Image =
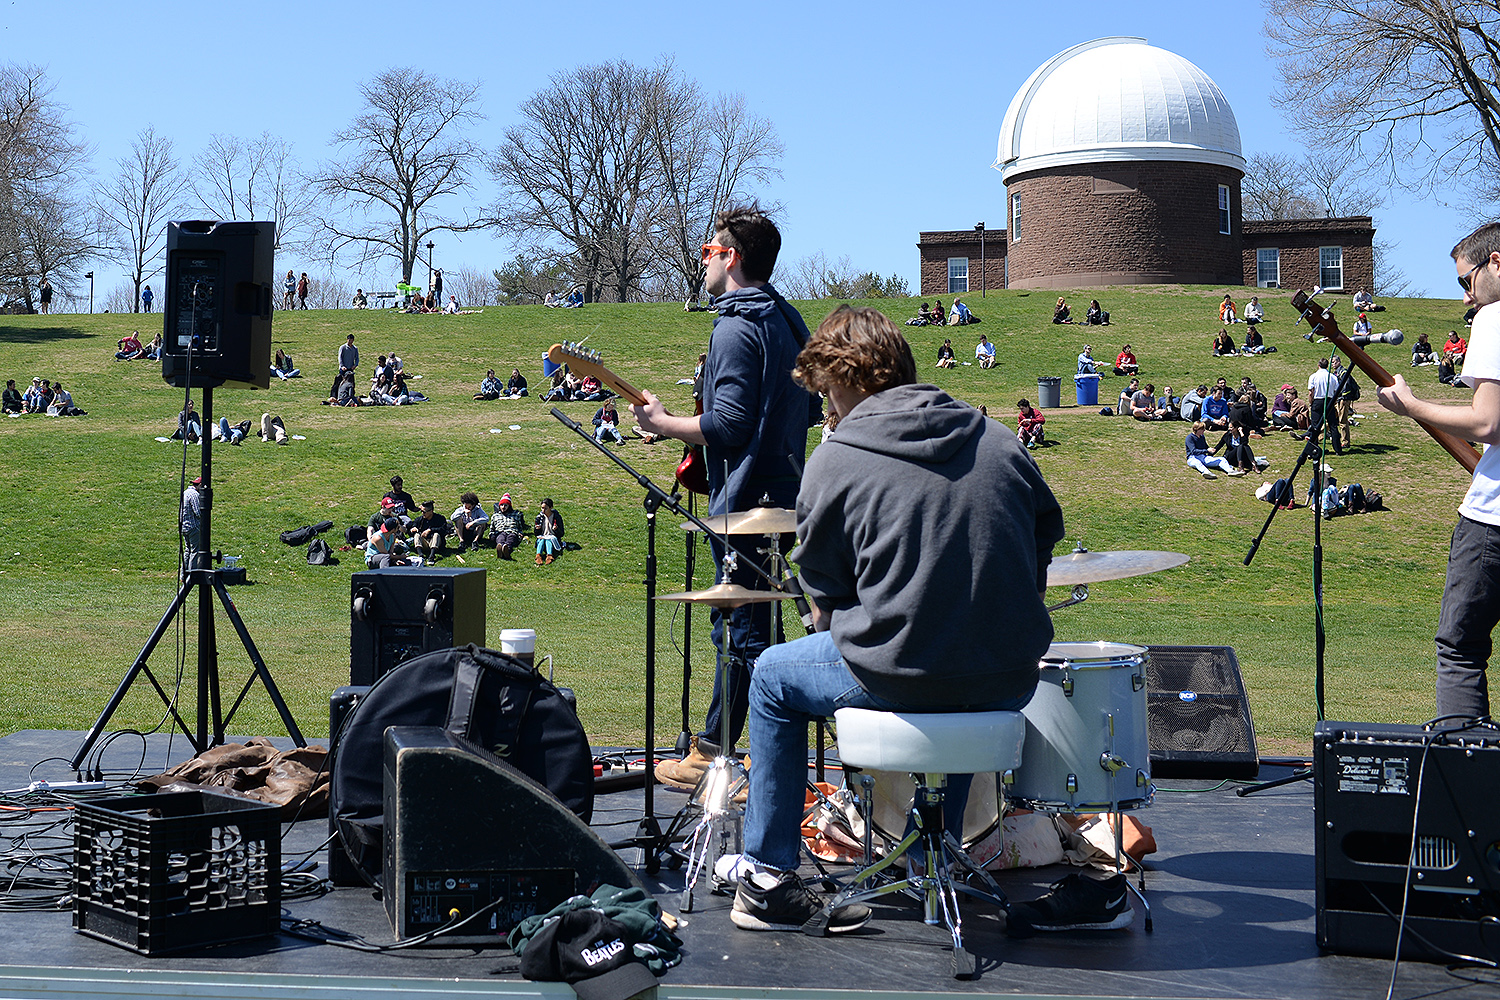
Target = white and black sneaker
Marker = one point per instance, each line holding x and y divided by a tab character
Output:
764	902
1075	903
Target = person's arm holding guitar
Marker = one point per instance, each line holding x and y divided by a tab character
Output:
654	418
1478	420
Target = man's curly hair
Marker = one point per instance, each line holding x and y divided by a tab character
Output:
856	347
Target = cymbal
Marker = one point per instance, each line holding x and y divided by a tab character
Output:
1094	567
760	521
726	595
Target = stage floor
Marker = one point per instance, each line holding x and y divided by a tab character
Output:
1231	891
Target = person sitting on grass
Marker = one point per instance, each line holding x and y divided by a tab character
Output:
1235	444
1421	352
490	388
429	531
1096	315
1227	314
509	527
1143	404
1254	343
549	533
1029	421
129	347
384	548
591	390
62	403
516	387
984	352
1198	455
1060	312
1086	363
361	300
1125	363
923	317
10	401
607	424
945	353
189	424
1224	344
1254	312
470	523
961	315
1122	407
1455	348
1215	413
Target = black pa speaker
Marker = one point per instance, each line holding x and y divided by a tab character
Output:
1366	778
1197	715
216	306
402	612
464	830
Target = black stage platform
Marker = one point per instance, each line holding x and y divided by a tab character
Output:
1231	889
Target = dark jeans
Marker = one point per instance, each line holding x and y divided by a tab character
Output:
1471	609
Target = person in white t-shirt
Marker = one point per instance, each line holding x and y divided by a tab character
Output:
1471	595
984	352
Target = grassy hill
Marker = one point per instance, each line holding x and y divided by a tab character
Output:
90	506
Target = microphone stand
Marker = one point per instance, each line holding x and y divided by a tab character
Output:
1312	449
649	836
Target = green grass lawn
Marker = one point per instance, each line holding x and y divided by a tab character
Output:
89	516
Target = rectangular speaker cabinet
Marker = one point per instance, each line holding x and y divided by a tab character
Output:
402	612
1197	714
1365	793
464	830
216	303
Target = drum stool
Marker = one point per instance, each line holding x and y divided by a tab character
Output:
931	746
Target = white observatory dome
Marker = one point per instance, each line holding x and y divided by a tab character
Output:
1117	99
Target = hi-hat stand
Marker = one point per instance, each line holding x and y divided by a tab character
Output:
198	575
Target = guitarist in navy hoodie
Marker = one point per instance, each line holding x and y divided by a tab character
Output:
755	419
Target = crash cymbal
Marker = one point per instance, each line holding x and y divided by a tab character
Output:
1094	567
760	521
726	595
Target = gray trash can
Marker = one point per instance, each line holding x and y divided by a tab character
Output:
1049	392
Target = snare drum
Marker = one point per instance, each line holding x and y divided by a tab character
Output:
1086	746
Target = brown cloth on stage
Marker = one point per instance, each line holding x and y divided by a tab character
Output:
296	779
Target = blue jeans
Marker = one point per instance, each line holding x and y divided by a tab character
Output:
1471	609
793	685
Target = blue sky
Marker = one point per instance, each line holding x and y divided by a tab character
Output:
889	111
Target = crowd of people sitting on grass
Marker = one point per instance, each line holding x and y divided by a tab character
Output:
45	396
492	388
568	387
960	315
402	532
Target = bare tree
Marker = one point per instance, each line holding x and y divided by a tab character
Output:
1334	183
1275	188
472	286
708	154
1400	80
46	227
237	178
327	292
146	191
405	153
524	280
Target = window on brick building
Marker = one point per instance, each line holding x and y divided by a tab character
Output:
958	275
1268	267
1331	267
1015	218
1224	208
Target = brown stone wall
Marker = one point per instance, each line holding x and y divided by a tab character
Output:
1300	240
1124	224
936	247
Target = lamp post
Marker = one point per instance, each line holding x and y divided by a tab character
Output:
90	275
983	283
430	245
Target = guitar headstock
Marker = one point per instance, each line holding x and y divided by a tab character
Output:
588	361
1319	320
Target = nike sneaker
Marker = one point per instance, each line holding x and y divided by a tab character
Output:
764	902
1076	903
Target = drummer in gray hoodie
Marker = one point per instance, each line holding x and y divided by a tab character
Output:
926	532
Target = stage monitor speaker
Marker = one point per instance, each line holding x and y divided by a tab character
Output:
1365	778
1197	715
464	829
341	705
402	612
216	306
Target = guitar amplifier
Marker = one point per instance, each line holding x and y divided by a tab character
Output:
1370	781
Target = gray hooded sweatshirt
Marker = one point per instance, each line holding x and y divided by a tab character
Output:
926	531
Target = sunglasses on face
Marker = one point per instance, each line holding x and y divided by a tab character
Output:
1466	281
712	250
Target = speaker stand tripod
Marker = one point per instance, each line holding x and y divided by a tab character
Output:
198	575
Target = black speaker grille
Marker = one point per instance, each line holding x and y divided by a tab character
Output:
1198	718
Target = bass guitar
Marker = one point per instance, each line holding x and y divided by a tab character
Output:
692	471
1322	324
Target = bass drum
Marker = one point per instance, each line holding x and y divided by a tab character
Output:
1086	748
890	803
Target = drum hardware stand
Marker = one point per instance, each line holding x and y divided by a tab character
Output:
200	575
1113	764
1313	448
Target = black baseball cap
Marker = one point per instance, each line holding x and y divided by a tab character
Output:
589	950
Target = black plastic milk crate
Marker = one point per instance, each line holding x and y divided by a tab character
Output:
167	872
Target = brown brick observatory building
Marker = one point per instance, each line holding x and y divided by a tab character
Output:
1122	165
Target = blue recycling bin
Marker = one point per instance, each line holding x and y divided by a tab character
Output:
1086	387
